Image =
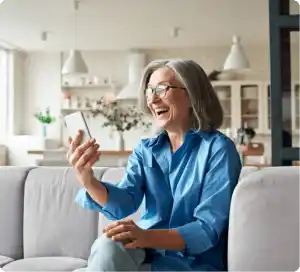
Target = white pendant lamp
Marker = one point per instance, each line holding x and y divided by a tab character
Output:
75	63
236	60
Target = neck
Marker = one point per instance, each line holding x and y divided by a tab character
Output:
176	138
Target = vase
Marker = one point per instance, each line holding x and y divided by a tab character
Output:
44	127
120	141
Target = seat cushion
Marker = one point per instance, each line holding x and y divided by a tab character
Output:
5	260
46	264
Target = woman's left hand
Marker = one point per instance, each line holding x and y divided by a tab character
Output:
128	232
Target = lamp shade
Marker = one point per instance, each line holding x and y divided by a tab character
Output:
75	64
236	60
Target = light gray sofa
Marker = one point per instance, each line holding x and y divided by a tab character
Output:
43	229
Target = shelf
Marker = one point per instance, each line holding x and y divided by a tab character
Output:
94	87
66	111
103	152
250	115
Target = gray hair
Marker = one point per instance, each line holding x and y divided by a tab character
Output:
207	112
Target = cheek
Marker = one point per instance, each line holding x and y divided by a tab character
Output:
180	106
149	107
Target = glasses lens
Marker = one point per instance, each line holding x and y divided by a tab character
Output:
161	90
148	92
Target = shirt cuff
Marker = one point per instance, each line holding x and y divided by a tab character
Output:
196	240
112	209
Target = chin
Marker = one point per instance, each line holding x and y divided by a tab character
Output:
163	125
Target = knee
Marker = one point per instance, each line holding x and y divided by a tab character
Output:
104	254
105	245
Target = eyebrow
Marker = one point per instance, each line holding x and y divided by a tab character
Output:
161	83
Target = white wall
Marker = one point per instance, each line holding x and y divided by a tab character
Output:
42	85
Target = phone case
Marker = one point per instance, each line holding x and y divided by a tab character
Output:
75	122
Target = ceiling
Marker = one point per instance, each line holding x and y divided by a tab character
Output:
124	24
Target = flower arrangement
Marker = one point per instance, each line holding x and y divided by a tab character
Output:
119	118
45	119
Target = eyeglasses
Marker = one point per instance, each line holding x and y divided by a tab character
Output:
160	90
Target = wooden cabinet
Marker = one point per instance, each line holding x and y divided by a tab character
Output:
242	104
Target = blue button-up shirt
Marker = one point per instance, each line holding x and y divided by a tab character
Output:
189	190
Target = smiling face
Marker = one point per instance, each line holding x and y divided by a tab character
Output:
171	111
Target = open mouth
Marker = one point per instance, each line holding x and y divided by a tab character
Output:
161	112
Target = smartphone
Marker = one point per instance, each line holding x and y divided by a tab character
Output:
75	122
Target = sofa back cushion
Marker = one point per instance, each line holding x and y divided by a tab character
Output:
114	175
264	221
247	170
54	225
12	180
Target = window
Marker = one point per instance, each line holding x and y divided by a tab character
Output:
3	95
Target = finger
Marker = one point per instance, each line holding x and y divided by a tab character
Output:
93	160
115	224
80	150
70	139
117	230
78	137
84	157
123	236
133	244
75	143
120	229
83	147
111	226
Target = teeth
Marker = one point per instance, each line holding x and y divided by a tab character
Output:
158	111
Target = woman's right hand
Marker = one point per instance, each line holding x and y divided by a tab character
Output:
82	157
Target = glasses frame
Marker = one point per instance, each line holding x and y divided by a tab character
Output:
164	93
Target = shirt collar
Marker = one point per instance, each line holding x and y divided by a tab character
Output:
163	136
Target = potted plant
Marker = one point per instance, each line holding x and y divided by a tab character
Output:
120	118
45	119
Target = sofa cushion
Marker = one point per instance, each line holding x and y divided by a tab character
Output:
54	225
246	170
264	222
46	264
114	175
5	260
12	180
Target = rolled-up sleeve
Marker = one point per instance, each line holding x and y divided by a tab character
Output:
212	213
125	197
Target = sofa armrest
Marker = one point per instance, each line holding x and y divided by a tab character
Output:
5	260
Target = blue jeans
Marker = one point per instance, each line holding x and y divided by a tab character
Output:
107	255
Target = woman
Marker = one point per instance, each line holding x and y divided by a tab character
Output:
187	175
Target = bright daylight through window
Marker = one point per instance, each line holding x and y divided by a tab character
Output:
3	95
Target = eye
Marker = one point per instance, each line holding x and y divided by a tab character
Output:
148	91
160	89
